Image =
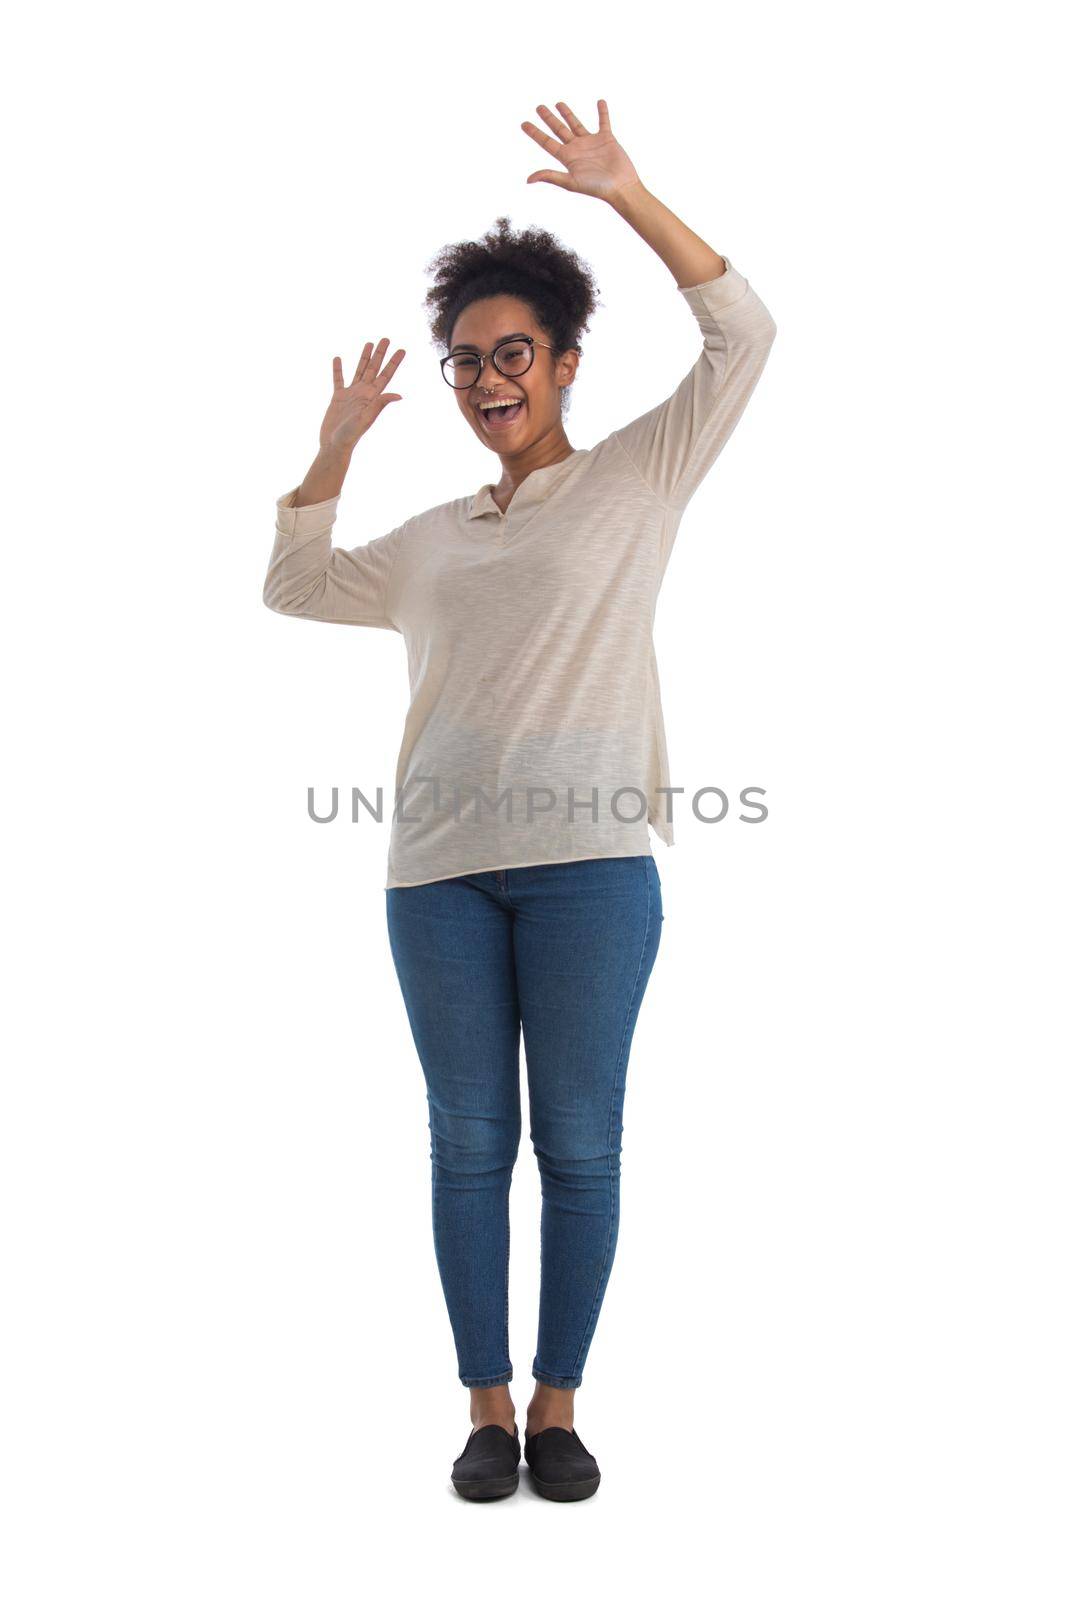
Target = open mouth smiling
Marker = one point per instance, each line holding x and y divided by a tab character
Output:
496	416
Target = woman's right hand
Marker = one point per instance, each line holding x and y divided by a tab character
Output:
354	407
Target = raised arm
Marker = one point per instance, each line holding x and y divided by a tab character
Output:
672	445
306	576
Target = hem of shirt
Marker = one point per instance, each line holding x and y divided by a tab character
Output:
663	830
505	866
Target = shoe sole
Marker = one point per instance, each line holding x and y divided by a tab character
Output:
486	1488
581	1490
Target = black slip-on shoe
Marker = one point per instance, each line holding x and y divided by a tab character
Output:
560	1465
489	1465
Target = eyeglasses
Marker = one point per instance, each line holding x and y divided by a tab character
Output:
511	358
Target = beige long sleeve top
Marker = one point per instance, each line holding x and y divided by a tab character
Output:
535	730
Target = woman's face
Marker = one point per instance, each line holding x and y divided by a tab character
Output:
478	329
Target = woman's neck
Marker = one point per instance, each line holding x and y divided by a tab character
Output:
545	453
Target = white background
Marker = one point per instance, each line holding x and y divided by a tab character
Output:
830	1359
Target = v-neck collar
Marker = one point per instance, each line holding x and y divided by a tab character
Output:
533	489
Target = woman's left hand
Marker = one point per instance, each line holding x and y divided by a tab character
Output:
596	163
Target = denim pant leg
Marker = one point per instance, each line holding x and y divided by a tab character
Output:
452	947
586	937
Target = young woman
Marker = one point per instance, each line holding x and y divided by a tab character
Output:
522	894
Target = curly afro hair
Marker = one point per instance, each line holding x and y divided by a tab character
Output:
554	282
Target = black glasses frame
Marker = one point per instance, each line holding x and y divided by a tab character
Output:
519	338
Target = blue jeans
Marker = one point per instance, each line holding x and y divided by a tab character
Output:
564	950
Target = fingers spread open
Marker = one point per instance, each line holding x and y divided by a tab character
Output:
559	128
576	125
